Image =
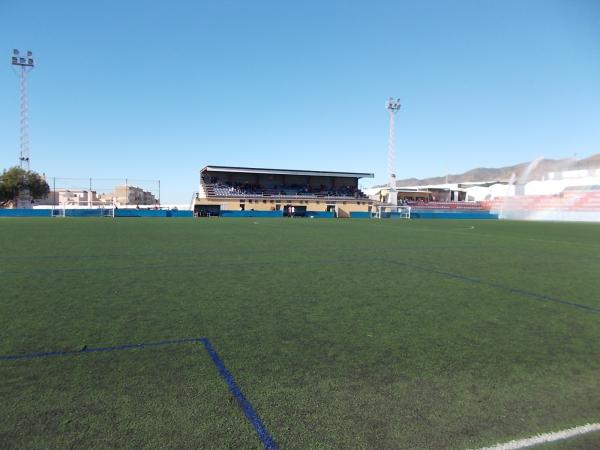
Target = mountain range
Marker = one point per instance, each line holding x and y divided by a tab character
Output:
542	167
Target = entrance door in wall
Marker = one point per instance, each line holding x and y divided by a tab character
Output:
207	210
299	211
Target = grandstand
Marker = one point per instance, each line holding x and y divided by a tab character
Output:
248	192
447	205
569	195
572	204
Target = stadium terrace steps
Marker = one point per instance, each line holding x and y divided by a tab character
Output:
589	202
449	205
214	190
569	201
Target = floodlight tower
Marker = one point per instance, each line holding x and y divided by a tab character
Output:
26	64
393	106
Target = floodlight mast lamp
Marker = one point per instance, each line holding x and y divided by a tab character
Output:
26	65
393	106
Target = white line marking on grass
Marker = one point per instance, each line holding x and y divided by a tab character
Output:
546	437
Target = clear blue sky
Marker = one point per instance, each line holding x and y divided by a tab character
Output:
159	89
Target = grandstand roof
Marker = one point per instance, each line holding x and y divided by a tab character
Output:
315	173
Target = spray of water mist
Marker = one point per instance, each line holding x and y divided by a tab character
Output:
560	195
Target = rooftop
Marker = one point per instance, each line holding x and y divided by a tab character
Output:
314	173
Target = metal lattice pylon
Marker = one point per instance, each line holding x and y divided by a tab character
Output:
393	106
24	155
24	65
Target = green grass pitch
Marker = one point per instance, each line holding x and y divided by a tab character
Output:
341	333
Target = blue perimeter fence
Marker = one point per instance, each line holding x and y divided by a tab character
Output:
250	213
125	212
96	213
452	214
249	411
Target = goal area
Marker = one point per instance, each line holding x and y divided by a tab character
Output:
393	212
98	210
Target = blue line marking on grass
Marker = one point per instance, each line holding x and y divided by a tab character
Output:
251	415
246	406
530	294
97	349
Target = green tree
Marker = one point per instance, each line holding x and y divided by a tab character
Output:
15	180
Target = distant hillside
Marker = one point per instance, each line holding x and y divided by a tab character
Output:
505	173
